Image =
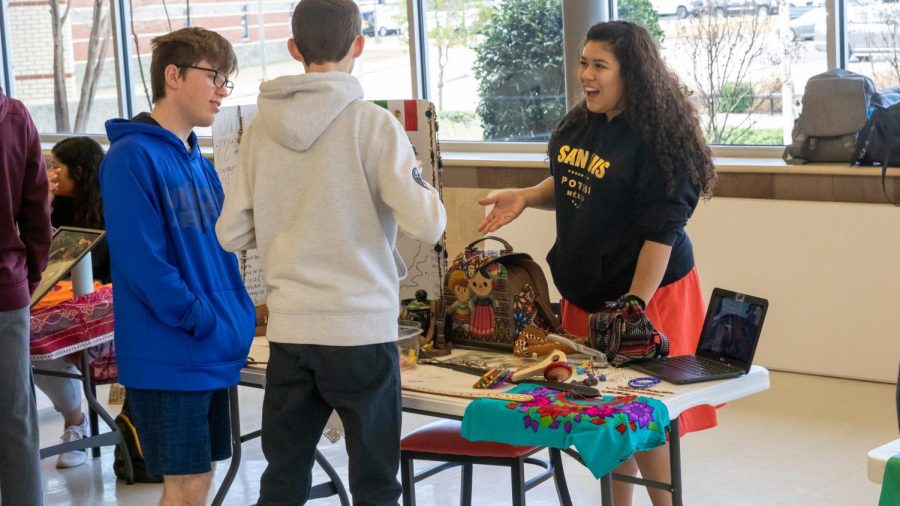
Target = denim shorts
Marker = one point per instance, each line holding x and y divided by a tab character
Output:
181	432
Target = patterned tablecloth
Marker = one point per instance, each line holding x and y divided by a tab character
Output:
606	430
82	323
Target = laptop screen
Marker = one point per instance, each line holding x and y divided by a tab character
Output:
732	327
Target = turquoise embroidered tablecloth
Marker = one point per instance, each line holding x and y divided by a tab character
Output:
890	485
606	431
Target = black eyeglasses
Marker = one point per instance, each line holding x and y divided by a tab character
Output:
219	78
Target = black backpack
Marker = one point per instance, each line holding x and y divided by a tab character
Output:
878	139
138	466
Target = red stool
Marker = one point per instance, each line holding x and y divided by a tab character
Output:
441	441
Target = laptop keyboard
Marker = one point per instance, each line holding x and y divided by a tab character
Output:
698	365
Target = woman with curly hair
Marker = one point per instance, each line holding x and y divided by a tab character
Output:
628	165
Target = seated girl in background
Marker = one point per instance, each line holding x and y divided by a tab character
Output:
74	176
76	199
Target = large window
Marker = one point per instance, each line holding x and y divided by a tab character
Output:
494	68
873	41
746	62
259	31
62	63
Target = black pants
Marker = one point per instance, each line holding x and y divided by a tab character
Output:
304	383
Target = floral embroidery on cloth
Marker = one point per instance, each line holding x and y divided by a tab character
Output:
605	431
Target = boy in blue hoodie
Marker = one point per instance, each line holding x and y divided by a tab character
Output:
184	321
324	180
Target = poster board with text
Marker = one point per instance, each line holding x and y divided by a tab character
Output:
426	263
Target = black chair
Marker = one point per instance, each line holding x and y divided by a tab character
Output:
441	441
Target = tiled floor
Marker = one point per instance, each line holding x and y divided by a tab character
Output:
803	442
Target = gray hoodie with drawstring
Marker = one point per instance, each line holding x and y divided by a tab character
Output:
324	179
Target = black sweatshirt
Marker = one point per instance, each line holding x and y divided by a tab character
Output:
611	196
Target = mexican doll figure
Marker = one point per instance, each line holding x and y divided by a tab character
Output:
461	310
481	285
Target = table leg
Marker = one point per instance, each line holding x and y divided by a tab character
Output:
562	488
95	409
235	463
336	482
606	490
675	462
93	420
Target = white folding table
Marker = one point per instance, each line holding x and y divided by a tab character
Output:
677	399
681	398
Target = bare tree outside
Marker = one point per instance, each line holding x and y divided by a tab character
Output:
60	99
882	38
725	52
98	47
453	23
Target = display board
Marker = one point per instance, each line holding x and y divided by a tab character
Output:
426	262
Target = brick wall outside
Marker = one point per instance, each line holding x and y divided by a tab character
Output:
32	52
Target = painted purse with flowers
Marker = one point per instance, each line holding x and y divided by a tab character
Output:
490	296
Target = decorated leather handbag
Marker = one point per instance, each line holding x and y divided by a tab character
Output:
491	295
623	332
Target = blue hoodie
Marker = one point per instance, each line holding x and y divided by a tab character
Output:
183	318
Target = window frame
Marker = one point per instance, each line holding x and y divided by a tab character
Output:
6	74
837	56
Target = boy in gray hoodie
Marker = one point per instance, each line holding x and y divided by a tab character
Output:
324	179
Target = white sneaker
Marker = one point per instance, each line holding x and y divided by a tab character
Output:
77	457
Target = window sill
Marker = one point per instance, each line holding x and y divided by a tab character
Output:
739	177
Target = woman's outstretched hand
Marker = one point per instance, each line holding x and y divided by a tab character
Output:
508	206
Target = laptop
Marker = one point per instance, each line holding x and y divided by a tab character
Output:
727	342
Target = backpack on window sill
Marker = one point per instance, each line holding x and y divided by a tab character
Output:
878	140
835	109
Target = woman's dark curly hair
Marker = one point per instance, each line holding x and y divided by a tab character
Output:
656	105
82	156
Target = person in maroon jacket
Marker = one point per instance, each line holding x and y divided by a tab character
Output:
24	245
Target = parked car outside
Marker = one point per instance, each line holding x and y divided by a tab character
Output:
804	27
736	7
381	20
873	30
797	8
677	8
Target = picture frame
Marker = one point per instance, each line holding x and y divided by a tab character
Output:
67	247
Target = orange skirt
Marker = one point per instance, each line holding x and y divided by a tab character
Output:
676	310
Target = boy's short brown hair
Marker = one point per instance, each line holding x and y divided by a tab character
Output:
188	46
323	30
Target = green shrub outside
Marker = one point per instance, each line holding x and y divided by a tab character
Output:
642	13
519	67
752	136
736	97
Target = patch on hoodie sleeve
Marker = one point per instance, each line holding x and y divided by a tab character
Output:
417	176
